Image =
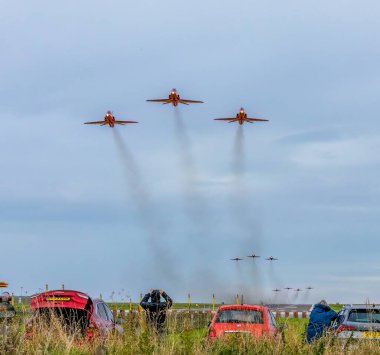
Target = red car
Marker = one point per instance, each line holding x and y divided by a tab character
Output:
251	319
76	310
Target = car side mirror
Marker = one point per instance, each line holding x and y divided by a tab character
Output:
120	321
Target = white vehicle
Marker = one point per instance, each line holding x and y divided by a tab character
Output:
358	321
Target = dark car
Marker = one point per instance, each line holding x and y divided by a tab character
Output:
358	321
75	310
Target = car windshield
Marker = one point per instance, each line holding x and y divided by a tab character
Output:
239	316
364	316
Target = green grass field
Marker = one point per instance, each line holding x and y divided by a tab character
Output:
186	334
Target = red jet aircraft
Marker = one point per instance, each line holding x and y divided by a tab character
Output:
109	119
241	117
175	99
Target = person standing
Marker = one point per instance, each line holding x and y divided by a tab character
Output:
321	318
155	308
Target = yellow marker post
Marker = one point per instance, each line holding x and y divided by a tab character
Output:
237	299
130	304
140	308
188	301
13	299
213	302
46	288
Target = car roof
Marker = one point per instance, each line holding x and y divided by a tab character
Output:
98	300
362	306
242	306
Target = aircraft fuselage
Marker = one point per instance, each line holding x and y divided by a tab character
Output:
174	98
241	116
109	119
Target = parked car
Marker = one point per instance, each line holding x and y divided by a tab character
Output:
75	310
358	321
256	320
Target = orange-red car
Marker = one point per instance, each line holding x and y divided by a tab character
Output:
256	320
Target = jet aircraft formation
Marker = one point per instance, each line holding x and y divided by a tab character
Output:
174	98
290	288
254	256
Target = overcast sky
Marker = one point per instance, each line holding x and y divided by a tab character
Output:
167	202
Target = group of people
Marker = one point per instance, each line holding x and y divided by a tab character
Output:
321	316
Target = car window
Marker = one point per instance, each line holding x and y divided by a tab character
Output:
272	320
108	311
239	316
364	316
101	311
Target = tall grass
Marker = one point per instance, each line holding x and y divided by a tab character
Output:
184	335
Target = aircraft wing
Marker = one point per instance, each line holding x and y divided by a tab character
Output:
96	122
124	122
192	101
256	120
159	100
226	119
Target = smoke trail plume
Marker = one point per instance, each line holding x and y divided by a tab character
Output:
160	260
305	296
243	213
198	211
196	208
238	164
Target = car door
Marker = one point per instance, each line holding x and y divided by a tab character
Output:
110	317
272	323
102	319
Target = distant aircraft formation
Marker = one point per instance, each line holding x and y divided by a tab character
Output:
290	288
270	259
174	98
253	256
